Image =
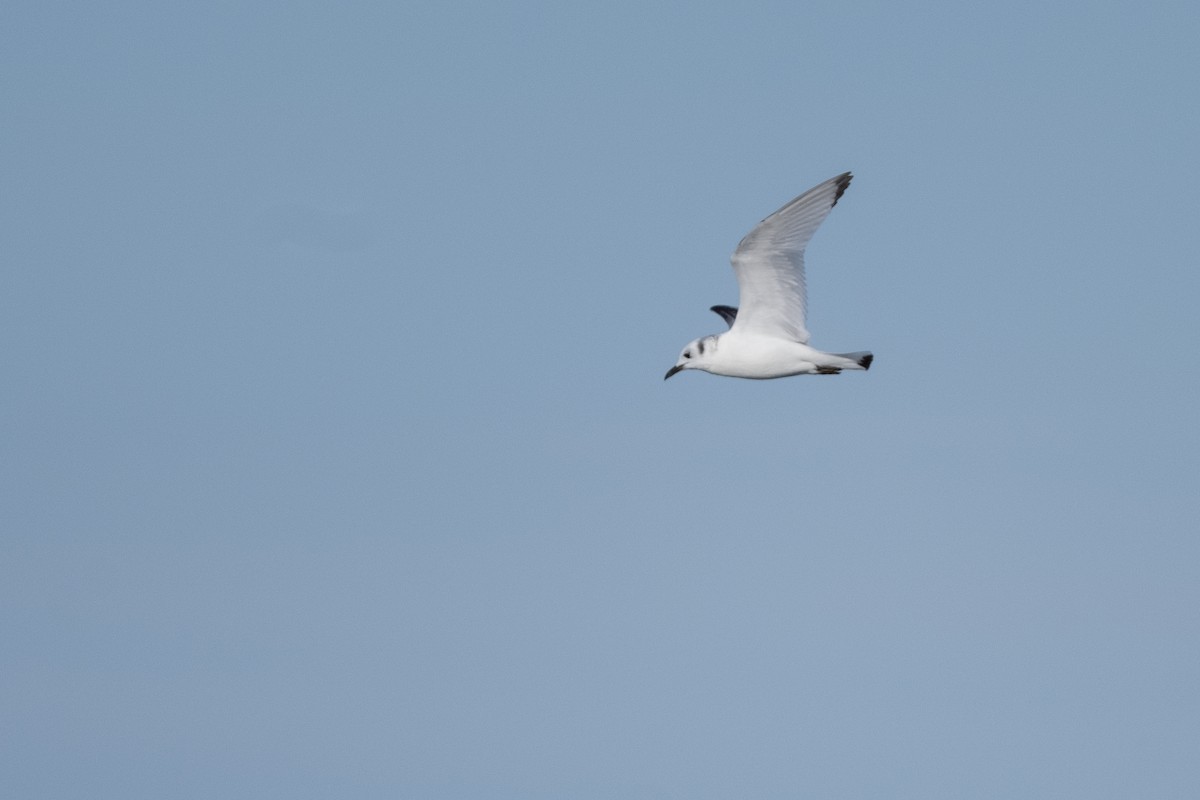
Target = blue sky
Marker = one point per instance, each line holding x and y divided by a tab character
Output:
338	459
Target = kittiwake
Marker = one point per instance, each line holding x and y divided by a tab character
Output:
767	337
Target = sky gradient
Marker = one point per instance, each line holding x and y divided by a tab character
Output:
338	460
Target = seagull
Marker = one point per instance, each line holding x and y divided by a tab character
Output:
767	337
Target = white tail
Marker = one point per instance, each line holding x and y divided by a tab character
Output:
863	358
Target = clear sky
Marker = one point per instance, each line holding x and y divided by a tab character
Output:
337	459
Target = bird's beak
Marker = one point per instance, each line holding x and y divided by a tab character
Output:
673	370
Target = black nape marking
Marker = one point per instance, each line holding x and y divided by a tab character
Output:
700	346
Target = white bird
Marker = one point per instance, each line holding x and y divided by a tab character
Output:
767	337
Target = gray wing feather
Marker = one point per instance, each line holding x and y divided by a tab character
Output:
769	264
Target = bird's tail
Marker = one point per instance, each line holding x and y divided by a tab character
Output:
863	358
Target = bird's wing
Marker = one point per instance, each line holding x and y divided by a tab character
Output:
769	264
728	313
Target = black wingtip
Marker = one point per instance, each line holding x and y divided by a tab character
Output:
865	361
728	313
843	182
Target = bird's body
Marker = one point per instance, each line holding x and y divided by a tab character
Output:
762	357
767	337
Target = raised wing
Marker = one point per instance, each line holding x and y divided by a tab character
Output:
728	313
769	264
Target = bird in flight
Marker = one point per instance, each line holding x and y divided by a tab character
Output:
766	336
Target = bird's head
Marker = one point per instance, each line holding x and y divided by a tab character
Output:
695	355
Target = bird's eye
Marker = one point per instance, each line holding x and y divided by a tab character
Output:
687	355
